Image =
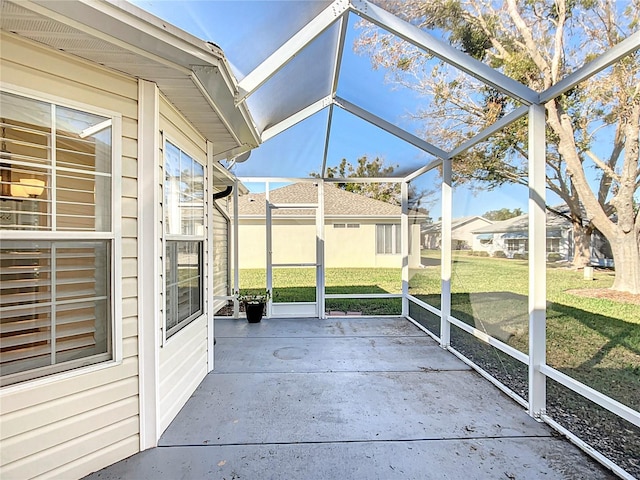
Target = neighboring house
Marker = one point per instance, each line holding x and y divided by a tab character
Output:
109	120
461	232
512	237
359	231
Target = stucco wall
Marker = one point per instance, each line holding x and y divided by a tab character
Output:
294	242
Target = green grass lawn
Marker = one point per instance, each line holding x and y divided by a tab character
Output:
596	341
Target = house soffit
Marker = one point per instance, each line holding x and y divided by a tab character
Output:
98	32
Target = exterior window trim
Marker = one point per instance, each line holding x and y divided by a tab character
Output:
114	357
169	334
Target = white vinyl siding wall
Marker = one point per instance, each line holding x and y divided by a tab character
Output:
220	255
73	423
183	356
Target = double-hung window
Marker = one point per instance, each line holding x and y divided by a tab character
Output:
57	238
388	239
184	230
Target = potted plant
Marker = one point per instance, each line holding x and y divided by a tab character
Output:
253	304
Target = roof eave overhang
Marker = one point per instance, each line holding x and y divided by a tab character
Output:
133	29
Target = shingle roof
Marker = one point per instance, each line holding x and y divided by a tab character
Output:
435	227
338	202
521	224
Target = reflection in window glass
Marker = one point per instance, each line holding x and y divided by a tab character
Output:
184	228
56	294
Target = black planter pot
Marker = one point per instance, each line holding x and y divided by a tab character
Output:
254	311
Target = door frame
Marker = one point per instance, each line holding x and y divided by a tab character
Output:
297	309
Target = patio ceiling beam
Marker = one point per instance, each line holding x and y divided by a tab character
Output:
443	51
611	56
389	127
505	121
429	166
297	117
363	179
339	53
283	55
327	139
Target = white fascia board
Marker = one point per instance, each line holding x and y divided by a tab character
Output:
487	132
443	51
390	128
296	118
235	118
611	56
132	29
291	48
133	26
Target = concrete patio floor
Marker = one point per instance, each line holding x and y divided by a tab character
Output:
349	398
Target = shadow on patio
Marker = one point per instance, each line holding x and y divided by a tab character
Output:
348	398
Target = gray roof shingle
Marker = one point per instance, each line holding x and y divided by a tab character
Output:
338	202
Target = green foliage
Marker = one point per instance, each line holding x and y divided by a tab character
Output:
520	256
385	192
553	257
499	254
502	214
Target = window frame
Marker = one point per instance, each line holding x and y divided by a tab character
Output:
169	333
396	239
114	355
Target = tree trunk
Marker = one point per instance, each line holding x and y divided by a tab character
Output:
626	256
581	244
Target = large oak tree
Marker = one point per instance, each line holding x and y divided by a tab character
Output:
592	130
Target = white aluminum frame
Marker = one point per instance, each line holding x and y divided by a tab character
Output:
533	106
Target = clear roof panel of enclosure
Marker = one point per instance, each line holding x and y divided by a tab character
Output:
312	72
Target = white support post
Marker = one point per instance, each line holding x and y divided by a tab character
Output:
148	261
236	254
320	269
269	243
404	236
445	257
537	261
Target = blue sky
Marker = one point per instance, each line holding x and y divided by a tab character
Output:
299	150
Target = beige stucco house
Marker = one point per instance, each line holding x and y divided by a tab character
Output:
462	229
359	232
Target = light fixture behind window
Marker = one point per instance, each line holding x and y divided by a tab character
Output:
26	188
5	168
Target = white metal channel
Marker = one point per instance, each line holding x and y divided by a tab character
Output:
290	49
537	261
446	256
608	58
404	236
389	127
444	51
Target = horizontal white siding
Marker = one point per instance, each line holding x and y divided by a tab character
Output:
220	256
72	424
183	357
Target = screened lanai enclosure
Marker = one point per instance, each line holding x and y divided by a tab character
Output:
360	200
394	160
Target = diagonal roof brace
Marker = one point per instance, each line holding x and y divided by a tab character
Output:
443	51
390	128
290	49
297	117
